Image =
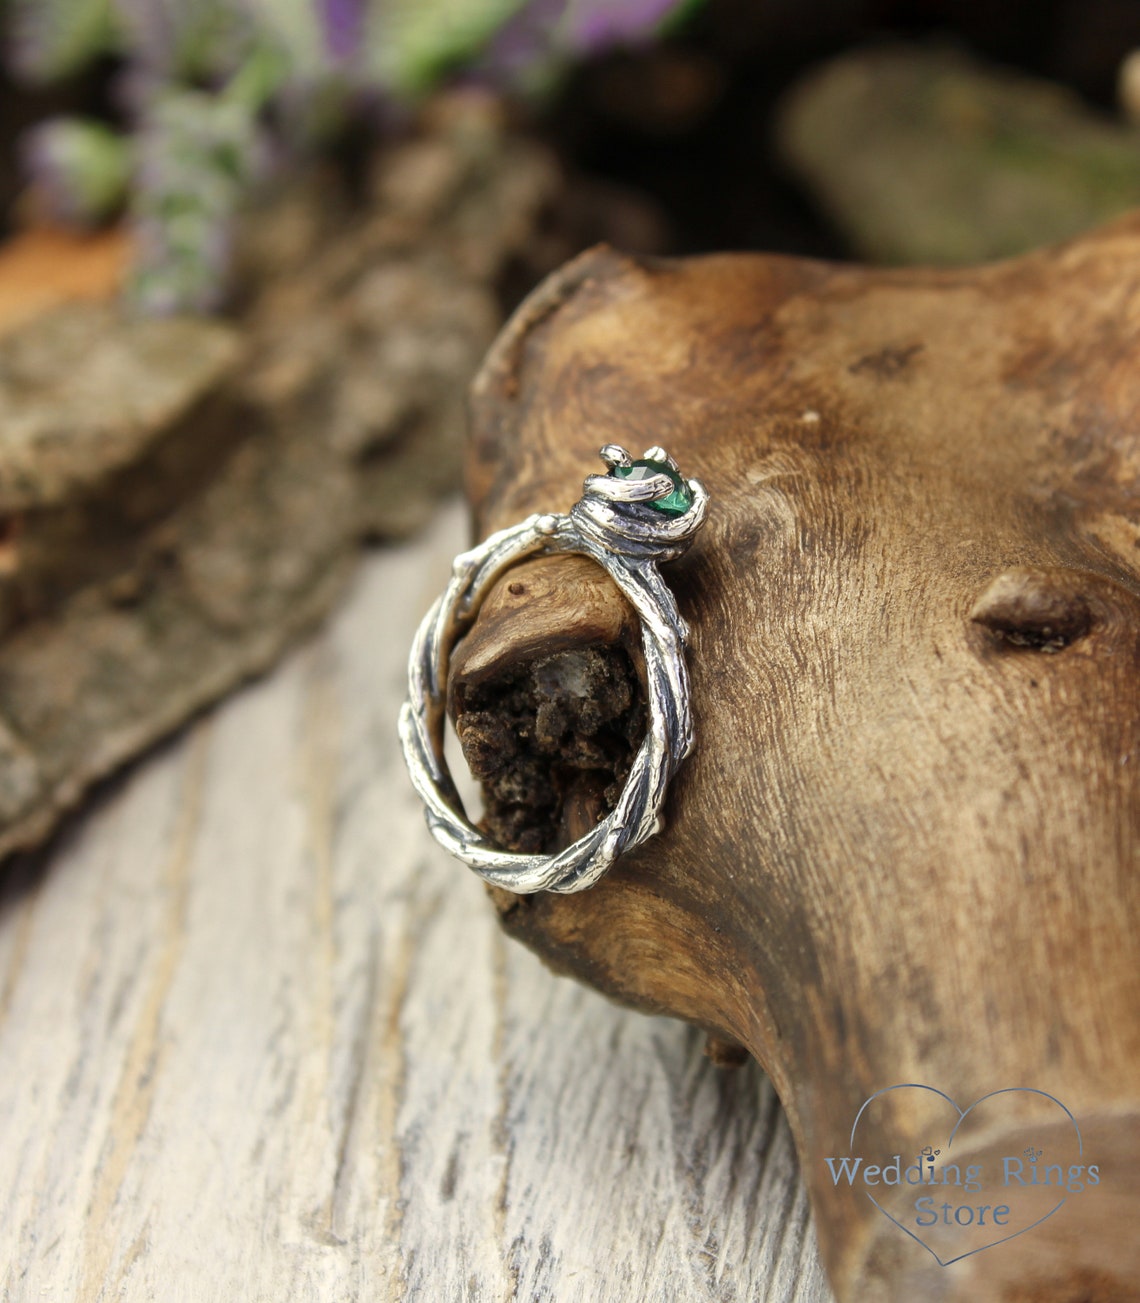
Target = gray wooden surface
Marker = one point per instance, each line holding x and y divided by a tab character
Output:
261	1040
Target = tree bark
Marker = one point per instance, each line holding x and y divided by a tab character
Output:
180	498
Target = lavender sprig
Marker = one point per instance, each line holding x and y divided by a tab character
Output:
198	155
187	40
595	25
198	75
416	42
49	39
343	23
541	40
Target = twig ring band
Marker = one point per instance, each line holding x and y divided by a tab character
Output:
639	514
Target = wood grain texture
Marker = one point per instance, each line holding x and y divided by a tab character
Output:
907	845
262	1040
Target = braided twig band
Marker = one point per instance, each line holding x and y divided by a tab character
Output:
625	535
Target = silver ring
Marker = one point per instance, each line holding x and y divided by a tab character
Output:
629	520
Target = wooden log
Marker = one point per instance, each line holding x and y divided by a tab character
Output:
906	847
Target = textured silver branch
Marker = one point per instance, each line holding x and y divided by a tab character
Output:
616	525
613	454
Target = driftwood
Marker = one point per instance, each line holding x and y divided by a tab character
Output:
906	848
180	498
922	154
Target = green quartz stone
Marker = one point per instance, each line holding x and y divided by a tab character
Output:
675	503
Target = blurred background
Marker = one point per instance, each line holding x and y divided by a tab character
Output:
698	124
253	251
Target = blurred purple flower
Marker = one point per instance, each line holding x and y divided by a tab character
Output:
597	24
186	37
342	22
44	40
542	37
524	44
187	274
198	155
151	29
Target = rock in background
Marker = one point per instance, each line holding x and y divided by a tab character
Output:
923	154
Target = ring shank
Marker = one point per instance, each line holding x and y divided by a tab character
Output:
668	739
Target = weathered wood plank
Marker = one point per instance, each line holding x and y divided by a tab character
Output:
262	1040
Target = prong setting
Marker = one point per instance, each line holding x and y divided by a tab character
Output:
657	453
613	454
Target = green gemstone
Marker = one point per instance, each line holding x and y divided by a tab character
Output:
673	504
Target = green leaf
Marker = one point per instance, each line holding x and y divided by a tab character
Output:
49	39
412	43
80	168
